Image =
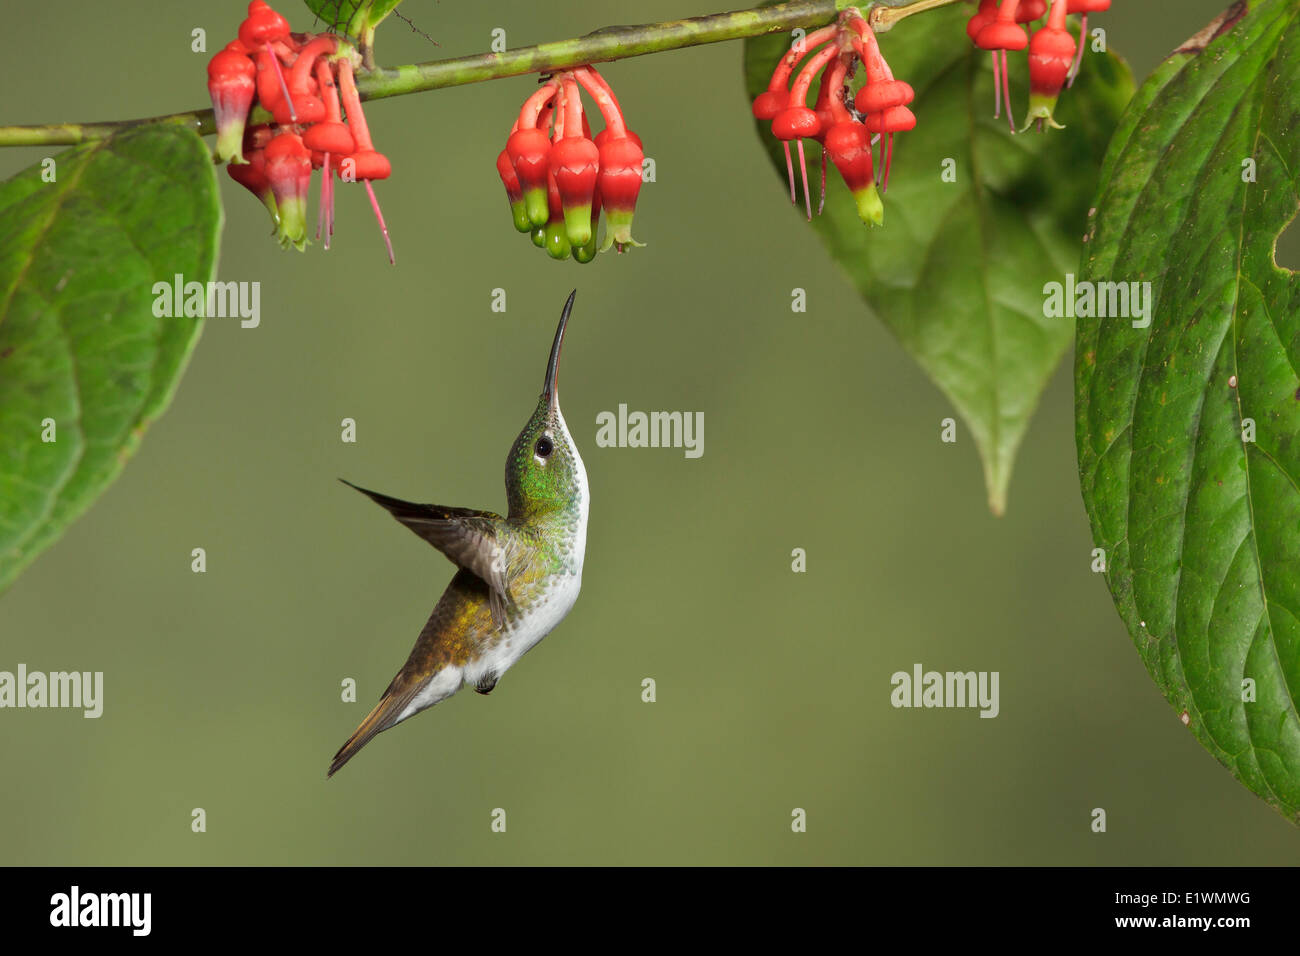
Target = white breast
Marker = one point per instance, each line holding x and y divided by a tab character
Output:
550	607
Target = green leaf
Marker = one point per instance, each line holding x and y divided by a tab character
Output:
79	342
1202	529
354	18
956	270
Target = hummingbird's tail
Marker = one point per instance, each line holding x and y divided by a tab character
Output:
373	724
404	698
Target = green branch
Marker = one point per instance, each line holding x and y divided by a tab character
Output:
602	46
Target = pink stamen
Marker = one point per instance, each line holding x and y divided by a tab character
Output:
889	158
789	168
997	87
374	204
1006	90
822	203
326	201
333	186
803	168
320	207
1078	54
284	87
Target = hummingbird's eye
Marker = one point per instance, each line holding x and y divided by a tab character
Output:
544	447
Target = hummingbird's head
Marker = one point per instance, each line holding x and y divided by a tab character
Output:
544	472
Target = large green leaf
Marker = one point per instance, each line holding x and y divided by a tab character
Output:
956	270
79	342
1201	528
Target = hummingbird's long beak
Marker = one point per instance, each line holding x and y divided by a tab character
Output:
551	390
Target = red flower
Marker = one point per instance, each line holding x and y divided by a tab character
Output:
333	140
558	187
1051	52
231	85
528	148
574	161
621	158
365	163
310	131
514	192
883	100
999	36
288	167
848	144
797	121
846	141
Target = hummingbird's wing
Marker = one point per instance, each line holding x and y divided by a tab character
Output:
478	541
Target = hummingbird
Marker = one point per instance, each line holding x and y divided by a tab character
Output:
517	576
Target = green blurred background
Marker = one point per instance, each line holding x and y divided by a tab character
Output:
223	689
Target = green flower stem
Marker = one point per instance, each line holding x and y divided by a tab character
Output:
602	46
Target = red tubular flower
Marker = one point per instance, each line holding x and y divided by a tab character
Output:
1051	52
999	36
528	148
231	86
830	94
848	144
574	162
332	139
845	137
366	163
1083	7
883	100
777	95
288	167
514	192
797	121
621	156
619	184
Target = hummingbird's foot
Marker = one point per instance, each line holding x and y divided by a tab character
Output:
486	683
